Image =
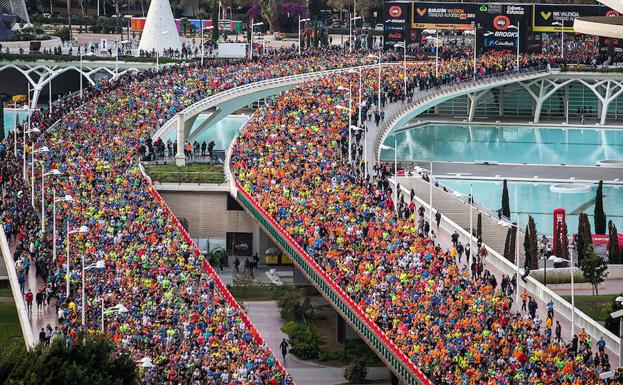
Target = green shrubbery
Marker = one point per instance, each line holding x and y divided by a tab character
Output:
356	372
304	340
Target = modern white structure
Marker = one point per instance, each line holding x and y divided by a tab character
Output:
606	26
17	8
160	31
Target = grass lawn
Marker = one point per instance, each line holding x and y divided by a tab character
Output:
194	173
10	330
6	292
595	306
257	292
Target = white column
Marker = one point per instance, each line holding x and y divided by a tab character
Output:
180	158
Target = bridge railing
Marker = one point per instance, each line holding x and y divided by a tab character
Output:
451	88
206	265
212	100
395	358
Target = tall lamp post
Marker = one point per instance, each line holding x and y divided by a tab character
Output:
350	31
395	149
43	175
473	32
81	230
81	56
435	32
202	41
251	43
516	27
97	265
301	21
158	53
350	117
619	314
403	45
562	37
66	198
117	309
40	150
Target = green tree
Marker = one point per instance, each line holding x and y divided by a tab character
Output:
95	362
584	234
594	268
531	245
614	252
215	31
509	245
600	215
506	208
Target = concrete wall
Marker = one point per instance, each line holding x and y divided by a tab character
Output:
207	215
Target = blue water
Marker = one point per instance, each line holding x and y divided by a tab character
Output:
507	144
536	199
8	119
222	132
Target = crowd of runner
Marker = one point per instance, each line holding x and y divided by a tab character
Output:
454	324
176	314
291	158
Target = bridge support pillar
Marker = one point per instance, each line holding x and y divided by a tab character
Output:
180	158
501	101
344	331
473	101
566	104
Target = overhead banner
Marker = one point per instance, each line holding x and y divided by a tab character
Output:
500	24
546	17
395	27
447	16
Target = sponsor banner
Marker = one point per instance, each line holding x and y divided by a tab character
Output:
395	26
545	15
447	16
497	26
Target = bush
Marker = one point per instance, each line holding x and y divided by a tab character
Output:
291	308
356	372
304	340
334	355
63	33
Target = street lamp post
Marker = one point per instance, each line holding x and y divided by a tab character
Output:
473	32
517	28
120	309
571	252
28	131
395	149
435	32
202	40
32	170
158	53
301	21
562	37
350	115
350	33
66	198
97	265
82	230
81	56
43	175
251	43
404	63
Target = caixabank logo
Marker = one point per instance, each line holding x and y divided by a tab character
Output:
501	22
395	11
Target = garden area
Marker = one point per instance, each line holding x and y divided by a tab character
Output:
194	173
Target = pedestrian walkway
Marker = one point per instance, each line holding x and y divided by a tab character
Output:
265	316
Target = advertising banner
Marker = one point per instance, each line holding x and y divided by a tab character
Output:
500	24
395	26
545	15
447	16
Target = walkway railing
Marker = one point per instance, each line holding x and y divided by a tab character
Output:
432	97
395	358
244	90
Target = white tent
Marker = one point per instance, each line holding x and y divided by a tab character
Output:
160	31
